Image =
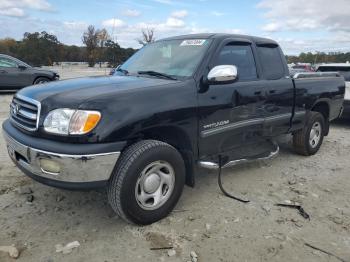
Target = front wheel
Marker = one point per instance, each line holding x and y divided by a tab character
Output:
147	182
41	80
308	140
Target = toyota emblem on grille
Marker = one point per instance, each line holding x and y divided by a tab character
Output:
16	109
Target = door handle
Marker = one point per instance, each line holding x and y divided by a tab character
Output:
257	93
3	71
272	91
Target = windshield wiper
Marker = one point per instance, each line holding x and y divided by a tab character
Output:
155	73
124	71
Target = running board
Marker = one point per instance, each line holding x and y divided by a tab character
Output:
214	166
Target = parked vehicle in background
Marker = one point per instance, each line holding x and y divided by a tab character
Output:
293	72
344	70
16	74
303	66
112	71
209	100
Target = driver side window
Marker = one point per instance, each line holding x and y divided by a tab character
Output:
5	62
240	55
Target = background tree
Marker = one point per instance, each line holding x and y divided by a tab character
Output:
116	55
39	48
8	46
319	58
102	37
112	53
42	48
45	49
90	39
147	36
74	53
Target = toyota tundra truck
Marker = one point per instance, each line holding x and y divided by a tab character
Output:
176	106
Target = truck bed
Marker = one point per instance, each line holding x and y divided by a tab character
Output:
327	87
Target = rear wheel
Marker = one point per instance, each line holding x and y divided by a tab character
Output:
308	140
147	182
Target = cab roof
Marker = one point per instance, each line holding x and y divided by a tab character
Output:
255	39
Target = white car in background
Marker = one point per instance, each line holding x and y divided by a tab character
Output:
344	70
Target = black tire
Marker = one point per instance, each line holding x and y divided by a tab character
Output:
121	188
301	139
41	80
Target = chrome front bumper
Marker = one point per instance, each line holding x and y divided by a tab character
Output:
73	168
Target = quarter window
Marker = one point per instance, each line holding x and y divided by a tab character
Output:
241	56
271	61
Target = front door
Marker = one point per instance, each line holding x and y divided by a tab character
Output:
231	115
9	74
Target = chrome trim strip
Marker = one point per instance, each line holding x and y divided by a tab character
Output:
208	165
216	130
300	113
74	168
278	117
20	125
313	75
255	121
241	161
214	166
27	114
79	157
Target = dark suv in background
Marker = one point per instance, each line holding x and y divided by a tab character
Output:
15	74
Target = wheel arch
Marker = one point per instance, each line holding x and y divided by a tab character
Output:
180	140
41	76
323	108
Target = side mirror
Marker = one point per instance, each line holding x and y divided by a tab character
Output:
222	74
22	67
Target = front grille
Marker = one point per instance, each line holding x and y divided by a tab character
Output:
25	112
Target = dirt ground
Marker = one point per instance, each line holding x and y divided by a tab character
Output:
215	227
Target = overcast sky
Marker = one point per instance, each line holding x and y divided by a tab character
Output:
299	25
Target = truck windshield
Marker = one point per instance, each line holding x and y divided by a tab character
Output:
172	59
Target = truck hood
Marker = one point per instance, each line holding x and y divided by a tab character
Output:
71	93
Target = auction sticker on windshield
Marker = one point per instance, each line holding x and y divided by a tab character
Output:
193	42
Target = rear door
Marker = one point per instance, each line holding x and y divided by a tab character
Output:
230	114
278	88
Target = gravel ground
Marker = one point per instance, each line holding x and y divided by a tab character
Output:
74	71
206	223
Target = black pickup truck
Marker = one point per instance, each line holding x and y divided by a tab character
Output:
210	100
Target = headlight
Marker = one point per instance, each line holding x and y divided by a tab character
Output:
71	122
